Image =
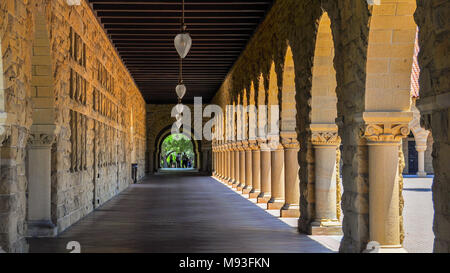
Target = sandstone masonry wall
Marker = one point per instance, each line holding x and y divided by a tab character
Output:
434	104
99	113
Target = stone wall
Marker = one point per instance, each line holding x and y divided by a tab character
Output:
434	104
97	112
16	25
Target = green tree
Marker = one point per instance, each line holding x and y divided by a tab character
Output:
177	144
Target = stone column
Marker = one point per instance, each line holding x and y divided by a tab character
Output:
214	159
221	161
225	163
216	162
265	159
236	166
276	201
256	170
248	169
229	165
291	206
384	132
39	185
325	140
421	160
241	185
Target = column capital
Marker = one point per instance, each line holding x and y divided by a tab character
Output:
274	143
386	127
244	144
325	135
289	140
263	144
253	145
41	140
239	146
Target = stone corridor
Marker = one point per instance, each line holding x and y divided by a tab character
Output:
314	109
182	213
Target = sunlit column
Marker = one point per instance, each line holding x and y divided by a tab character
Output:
265	161
291	206
214	173
241	167
384	133
276	201
421	160
236	165
248	169
256	170
325	140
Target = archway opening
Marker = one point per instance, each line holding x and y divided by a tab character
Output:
177	152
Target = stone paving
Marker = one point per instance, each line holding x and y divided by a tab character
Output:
418	215
180	213
197	214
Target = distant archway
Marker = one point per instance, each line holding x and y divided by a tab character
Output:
177	151
167	132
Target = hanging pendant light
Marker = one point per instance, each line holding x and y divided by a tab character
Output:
181	90
183	41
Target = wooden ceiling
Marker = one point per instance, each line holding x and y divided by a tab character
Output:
143	33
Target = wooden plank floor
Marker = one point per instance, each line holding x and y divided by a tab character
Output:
182	213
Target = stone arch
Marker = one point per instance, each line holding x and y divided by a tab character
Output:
168	131
288	109
289	140
322	215
273	99
390	51
390	55
323	88
42	133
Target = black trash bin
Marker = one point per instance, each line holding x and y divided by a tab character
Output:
134	169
